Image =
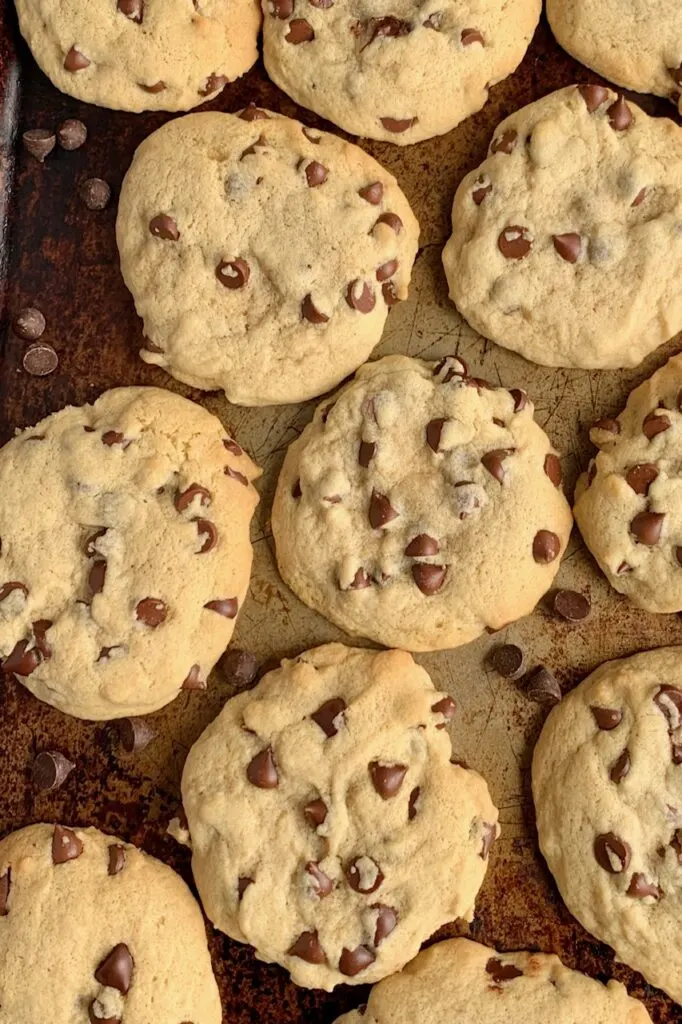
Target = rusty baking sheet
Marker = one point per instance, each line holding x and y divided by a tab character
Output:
63	259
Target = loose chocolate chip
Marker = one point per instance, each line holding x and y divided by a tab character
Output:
568	246
398	125
310	312
640	887
300	31
193	680
494	462
500	972
508	660
366	453
327	713
387	778
606	718
21	661
322	882
412	803
481	191
360	295
387	270
620	115
434	429
387	919
116	970
5	884
391	220
429	578
422	546
668	700
282	9
505	143
471	35
381	512
611	853
520	399
163	226
40	359
243	883
515	242
134	734
39	142
185	498
620	767
233	274
72	134
316	812
307	947
151	611
570	605
358	881
65	845
639	198
208	534
117	859
315	173
95	193
654	424
372	194
240	667
262	770
546	547
641	477
97	576
29	324
552	467
353	961
132	9
236	475
609	426
543	687
488	835
50	770
153	89
214	83
594	96
75	60
227	607
254	113
647	527
445	707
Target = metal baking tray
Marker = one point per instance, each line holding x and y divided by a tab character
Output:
61	257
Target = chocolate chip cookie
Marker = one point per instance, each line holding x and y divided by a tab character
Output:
329	827
461	981
141	54
608	795
629	502
421	506
92	929
124	552
265	258
566	242
401	71
636	43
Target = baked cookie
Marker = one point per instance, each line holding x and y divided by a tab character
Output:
566	243
142	54
636	43
461	981
329	827
125	552
421	506
608	796
399	72
92	929
629	503
265	257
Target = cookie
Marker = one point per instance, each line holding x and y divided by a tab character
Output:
461	981
265	258
566	242
125	552
421	507
608	796
329	827
92	929
141	54
629	502
400	79
635	43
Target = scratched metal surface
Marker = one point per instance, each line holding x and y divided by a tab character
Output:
63	258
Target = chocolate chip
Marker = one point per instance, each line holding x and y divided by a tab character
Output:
243	883
29	324
640	887
72	134
236	475
676	74
208	534
315	174
366	453
434	429
233	274
260	143
429	578
389	293
611	853
360	581
227	607
151	611
360	296
253	113
606	718
500	972
434	21
568	246
515	242
520	399
310	312
412	803
95	193
387	270
232	446
97	576
310	135
372	194
322	883
214	83
668	700
654	424
75	60
8	588
240	667
552	467
505	143
307	947
620	768
445	707
132	9
609	426
481	191
543	687
471	35
163	226
134	734
387	778
422	546
381	512
391	220
620	115
21	661
507	660
185	498
114	437
356	875
262	770
353	961
546	547
398	125
327	713
5	884
488	836
193	680
116	970
494	462
570	605
40	359
65	845
50	770
316	812
117	859
647	527
639	198
153	89
282	9
387	919
300	31
641	477
594	96
39	142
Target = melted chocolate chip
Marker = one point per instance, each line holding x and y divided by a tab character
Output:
21	660
488	837
132	9
372	194
620	115
307	947
505	143
641	477
620	768
234	274
360	296
316	812
381	512
552	467
311	313
300	31
214	83
434	429
185	498
97	576
594	96
387	919
75	60
500	972
611	853
647	527
254	113
391	220
515	242
640	887
429	578
494	462
163	226
606	718
520	399
567	246
422	546
327	713
5	885
668	700
208	535
366	453
323	884
65	845
546	547
117	859
227	607
315	173
470	36
193	680
116	970
412	803
387	778
243	883
397	125
151	611
353	961
354	874
262	770
655	423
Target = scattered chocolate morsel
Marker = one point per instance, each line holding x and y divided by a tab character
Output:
50	770
546	547
387	778
543	687
262	770
355	878
233	274
72	134
471	35
398	125
163	226
500	972
95	193
606	718
134	734
507	660
620	768
353	961
655	423
412	803
39	142
620	115
594	96
240	667
75	60
429	578
381	512
307	947
514	242
641	887
360	296
151	611
29	324
570	605
323	883
5	884
647	527
243	883
387	919
116	970
641	477
504	143
65	845
567	246
552	467
445	707
193	680
422	546
316	812
327	713
300	31
117	859
40	359
611	853
373	193
391	220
